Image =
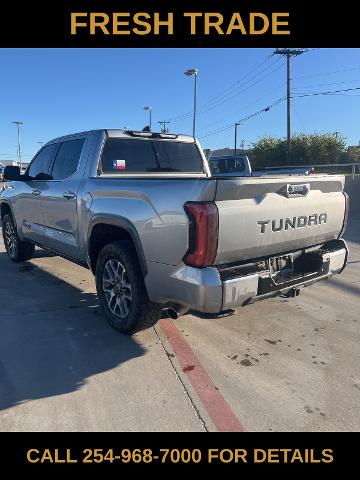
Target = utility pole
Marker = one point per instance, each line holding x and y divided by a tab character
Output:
242	145
164	128
18	123
235	139
288	53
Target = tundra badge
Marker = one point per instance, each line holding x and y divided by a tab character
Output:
293	222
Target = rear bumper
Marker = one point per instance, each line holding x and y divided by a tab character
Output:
252	288
204	290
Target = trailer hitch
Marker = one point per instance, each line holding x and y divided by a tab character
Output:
292	293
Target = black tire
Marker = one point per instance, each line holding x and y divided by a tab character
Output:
17	250
125	315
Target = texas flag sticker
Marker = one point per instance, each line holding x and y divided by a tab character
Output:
119	164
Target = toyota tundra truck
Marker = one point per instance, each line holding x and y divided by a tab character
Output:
144	213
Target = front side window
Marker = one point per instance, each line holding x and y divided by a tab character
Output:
150	156
67	159
40	168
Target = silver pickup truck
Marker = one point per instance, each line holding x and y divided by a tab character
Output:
143	212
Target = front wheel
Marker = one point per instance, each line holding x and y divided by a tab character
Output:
17	250
121	289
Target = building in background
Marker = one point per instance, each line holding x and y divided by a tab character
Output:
227	151
5	163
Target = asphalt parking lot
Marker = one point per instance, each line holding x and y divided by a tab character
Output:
279	365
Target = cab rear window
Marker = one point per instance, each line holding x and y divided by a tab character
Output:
150	156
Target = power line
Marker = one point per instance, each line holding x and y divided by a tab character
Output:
344	95
327	84
241	91
248	117
215	105
327	73
277	102
236	114
221	93
313	94
238	83
298	118
228	90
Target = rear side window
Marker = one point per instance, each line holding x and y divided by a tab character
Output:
41	165
67	159
150	156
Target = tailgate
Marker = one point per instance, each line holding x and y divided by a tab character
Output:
266	216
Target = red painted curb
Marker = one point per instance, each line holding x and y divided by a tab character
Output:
214	403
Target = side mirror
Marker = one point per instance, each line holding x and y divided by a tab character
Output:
11	173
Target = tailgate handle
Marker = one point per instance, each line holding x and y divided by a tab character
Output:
297	189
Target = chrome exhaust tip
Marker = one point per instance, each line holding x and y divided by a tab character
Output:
176	311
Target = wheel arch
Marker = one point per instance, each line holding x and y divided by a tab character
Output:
5	209
113	227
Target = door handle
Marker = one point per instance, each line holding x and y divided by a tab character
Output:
36	192
68	195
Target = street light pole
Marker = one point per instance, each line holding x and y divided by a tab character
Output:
195	98
189	73
18	123
149	109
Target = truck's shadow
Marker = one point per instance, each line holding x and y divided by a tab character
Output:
53	336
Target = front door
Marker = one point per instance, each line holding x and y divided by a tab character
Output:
27	199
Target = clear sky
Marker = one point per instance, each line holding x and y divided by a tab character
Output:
59	91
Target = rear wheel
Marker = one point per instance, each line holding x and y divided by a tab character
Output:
17	250
121	289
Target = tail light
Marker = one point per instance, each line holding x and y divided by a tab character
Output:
346	214
203	233
312	171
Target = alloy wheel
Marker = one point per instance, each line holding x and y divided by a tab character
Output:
117	288
10	239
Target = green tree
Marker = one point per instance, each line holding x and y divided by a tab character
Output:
306	149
